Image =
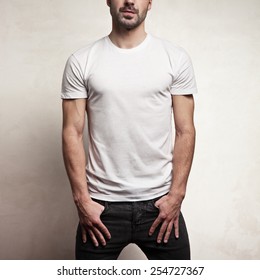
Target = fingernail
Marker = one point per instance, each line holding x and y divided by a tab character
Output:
159	241
165	241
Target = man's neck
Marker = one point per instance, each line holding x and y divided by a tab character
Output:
127	39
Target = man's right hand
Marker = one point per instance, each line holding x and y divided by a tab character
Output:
89	218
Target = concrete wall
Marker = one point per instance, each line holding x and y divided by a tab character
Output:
222	206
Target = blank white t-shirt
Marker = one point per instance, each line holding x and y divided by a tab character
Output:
129	113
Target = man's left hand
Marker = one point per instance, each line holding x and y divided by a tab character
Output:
169	207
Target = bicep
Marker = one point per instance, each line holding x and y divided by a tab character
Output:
183	111
74	111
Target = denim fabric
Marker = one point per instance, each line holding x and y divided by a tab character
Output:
129	222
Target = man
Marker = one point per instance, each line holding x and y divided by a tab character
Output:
131	191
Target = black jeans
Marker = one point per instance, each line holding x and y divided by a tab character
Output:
129	222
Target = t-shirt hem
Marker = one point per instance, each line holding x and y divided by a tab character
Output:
186	92
72	96
119	199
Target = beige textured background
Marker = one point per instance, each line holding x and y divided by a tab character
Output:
222	206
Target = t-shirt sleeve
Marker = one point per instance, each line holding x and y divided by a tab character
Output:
73	85
184	82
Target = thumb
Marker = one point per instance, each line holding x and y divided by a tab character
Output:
84	234
176	228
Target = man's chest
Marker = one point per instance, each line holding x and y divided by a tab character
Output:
138	77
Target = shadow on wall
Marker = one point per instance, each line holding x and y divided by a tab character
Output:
38	216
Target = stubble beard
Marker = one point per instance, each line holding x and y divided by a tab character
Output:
129	22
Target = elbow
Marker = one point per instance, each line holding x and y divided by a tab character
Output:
186	130
71	134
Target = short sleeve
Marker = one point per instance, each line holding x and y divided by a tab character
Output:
73	85
184	82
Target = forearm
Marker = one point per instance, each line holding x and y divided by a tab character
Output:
89	211
182	160
75	163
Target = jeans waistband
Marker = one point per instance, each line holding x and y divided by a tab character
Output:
129	202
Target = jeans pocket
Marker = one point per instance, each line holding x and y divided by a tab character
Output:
155	200
151	206
103	203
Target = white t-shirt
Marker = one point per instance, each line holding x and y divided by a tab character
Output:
129	113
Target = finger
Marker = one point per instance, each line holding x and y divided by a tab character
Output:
99	236
103	208
83	234
159	201
154	225
176	228
104	230
168	232
162	231
93	238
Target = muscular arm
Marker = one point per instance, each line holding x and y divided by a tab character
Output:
73	148
170	205
183	108
75	163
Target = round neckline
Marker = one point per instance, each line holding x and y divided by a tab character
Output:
131	50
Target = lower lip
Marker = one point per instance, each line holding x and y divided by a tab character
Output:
128	13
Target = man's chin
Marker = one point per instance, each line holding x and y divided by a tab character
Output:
129	17
128	24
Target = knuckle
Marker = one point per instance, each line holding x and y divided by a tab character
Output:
95	222
163	216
